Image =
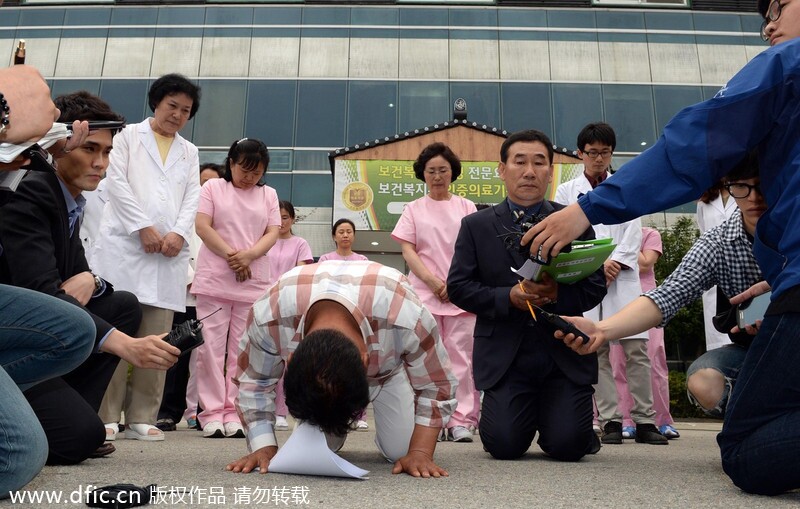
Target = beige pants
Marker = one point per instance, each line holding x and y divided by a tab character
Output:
637	367
140	396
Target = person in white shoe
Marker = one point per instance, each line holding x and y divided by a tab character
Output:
426	232
238	220
153	190
346	333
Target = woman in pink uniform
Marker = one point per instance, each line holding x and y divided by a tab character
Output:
238	220
344	234
427	232
288	252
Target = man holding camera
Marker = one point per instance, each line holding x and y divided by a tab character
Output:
42	251
531	382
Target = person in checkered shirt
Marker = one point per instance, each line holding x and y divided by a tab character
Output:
346	333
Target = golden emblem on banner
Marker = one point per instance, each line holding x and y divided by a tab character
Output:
357	196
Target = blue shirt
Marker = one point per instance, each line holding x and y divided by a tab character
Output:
759	107
75	207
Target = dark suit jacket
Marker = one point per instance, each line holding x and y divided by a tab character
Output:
38	252
480	282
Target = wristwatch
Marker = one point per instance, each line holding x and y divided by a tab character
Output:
98	283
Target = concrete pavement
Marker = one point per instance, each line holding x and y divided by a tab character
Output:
190	472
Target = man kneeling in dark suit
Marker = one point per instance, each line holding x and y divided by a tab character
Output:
531	381
42	251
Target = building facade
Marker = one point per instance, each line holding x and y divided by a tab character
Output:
308	79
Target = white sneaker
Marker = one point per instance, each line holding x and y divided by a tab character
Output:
281	424
460	434
362	425
213	429
234	430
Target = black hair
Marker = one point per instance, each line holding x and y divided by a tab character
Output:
433	150
530	135
287	206
83	105
248	153
171	84
597	132
213	166
341	222
747	168
326	382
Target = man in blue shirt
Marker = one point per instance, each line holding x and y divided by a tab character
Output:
757	108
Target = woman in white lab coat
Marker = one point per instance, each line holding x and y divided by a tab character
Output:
714	208
153	191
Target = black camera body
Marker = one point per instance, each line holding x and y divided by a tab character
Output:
524	223
186	336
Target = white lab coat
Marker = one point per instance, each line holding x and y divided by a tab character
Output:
142	192
628	238
710	215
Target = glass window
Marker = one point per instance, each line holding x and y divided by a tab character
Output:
374	16
372	111
277	16
311	160
574	106
281	183
228	16
127	97
220	119
10	18
642	3
181	16
716	22
424	17
280	160
629	110
312	191
270	111
61	87
483	101
709	92
422	104
669	20
133	16
619	19
527	106
213	156
40	17
671	100
321	108
571	19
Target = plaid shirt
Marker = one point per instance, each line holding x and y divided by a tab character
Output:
399	331
722	256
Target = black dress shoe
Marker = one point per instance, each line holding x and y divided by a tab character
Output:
166	424
104	450
612	433
649	434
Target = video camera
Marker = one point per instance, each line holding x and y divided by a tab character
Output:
525	222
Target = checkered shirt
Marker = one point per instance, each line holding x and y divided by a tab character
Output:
399	331
722	256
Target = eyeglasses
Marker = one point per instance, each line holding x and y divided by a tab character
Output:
594	153
742	190
773	13
437	171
